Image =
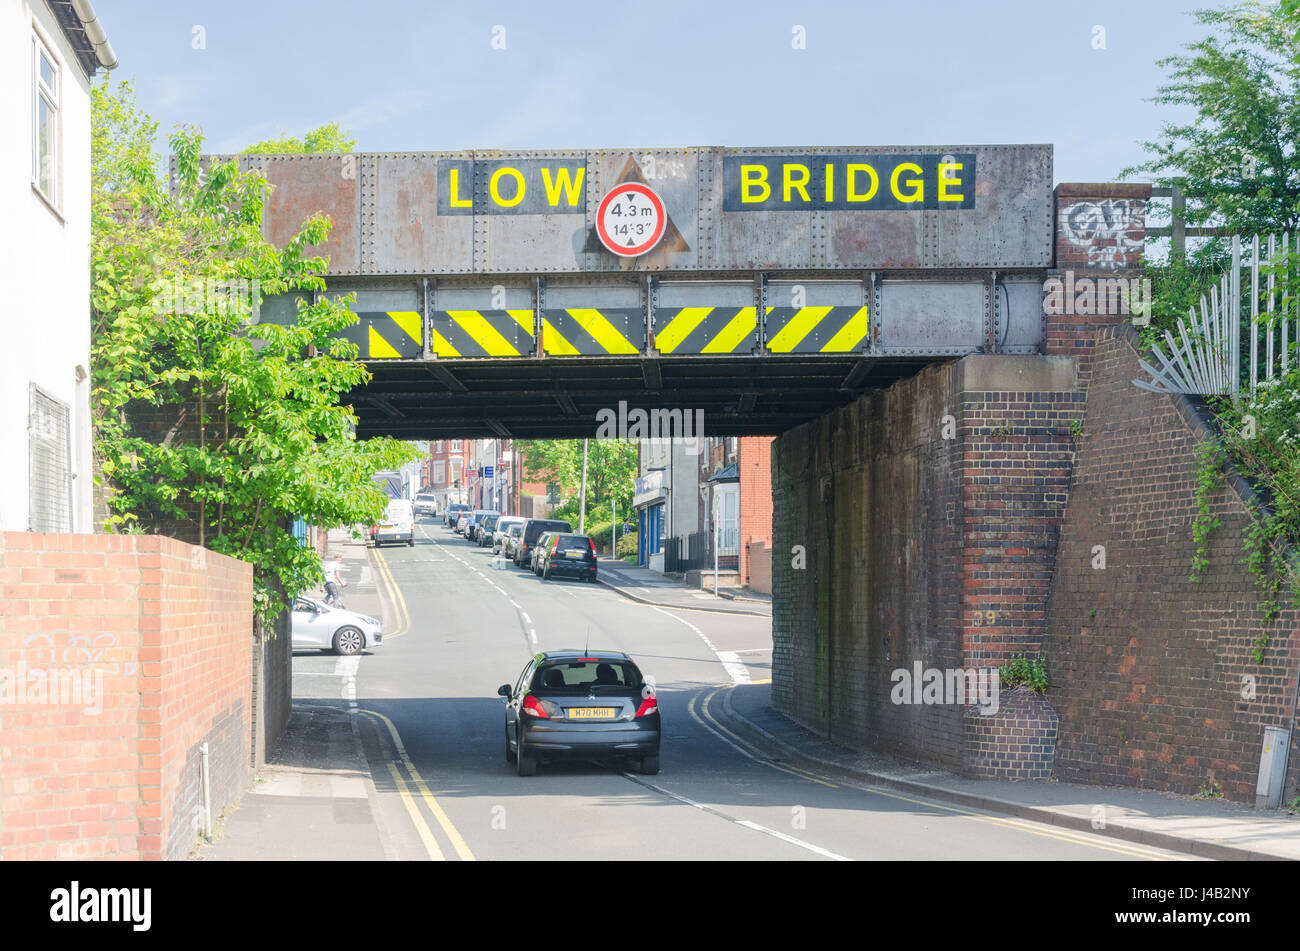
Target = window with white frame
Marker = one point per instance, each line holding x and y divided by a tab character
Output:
439	472
45	121
49	464
455	445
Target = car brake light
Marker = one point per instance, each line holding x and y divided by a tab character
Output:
648	705
534	707
592	545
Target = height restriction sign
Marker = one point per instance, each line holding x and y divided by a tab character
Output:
631	219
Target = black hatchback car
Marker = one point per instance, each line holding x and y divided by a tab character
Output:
573	555
581	705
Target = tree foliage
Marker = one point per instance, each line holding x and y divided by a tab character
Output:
611	472
1236	160
204	416
326	138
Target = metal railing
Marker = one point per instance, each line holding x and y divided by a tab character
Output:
1206	356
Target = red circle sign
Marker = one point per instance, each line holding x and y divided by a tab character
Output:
631	219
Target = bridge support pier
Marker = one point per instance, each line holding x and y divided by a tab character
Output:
915	536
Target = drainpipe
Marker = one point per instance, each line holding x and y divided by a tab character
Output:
207	792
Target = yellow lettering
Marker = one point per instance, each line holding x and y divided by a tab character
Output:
945	181
568	179
453	183
752	176
853	170
519	186
918	185
789	183
830	183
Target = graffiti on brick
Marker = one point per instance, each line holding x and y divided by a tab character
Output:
1110	231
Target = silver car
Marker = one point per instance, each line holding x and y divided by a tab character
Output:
317	626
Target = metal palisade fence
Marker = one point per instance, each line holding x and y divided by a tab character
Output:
1205	357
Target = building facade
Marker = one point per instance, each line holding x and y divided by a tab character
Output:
50	52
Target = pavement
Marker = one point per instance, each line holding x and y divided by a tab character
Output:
318	800
650	587
1210	828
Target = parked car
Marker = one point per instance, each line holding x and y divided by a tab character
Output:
485	528
511	540
462	523
533	530
475	521
535	555
501	529
581	704
426	504
568	555
318	626
398	524
454	511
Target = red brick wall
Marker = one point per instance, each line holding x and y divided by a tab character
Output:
1100	236
168	629
755	458
1146	665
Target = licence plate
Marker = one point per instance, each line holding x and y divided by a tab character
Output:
386	526
591	713
573	554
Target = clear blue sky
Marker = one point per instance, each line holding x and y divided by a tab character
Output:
407	76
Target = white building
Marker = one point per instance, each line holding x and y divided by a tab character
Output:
49	51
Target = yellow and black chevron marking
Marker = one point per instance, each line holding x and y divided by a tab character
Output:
481	333
706	330
816	329
388	335
588	332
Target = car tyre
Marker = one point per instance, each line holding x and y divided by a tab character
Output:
649	765
525	765
510	754
348	641
411	543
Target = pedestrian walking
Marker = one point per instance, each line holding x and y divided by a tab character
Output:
333	569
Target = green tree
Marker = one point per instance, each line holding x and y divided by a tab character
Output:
203	416
1236	158
611	472
326	138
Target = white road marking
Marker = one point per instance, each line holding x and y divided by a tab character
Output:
527	619
737	671
825	853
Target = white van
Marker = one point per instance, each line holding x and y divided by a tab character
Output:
398	524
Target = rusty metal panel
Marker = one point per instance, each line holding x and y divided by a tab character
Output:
932	317
1021	320
304	185
525	242
409	235
492	212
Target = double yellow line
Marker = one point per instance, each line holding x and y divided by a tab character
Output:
1022	825
394	596
412	807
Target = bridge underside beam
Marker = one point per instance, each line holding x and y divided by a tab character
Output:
559	398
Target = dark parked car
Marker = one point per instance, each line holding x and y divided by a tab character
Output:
475	522
534	528
581	704
568	555
485	528
453	514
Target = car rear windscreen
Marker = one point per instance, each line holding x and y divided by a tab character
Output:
573	543
539	528
581	675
